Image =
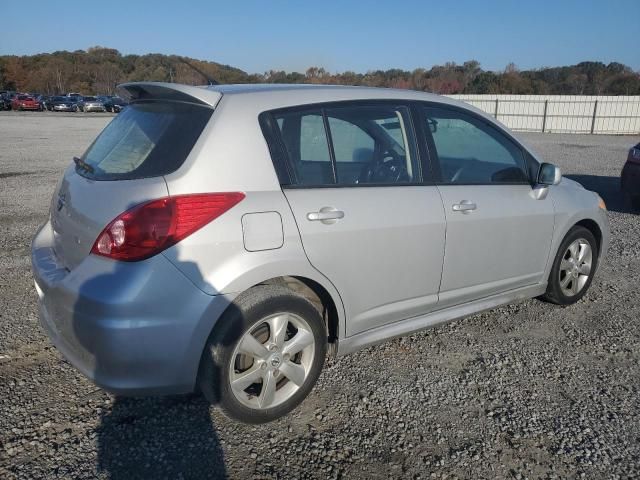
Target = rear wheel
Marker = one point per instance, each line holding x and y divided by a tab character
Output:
264	356
573	268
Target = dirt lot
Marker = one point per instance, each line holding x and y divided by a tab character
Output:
524	391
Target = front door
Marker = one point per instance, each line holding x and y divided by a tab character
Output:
498	233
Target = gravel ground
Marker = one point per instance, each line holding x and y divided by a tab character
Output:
524	391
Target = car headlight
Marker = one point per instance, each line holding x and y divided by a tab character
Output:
601	203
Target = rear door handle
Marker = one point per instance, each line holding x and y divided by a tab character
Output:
465	206
327	215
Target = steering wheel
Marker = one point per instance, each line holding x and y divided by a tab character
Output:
390	169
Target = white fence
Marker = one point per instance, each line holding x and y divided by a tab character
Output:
562	113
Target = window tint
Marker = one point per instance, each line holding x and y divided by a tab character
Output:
145	140
349	139
365	149
470	151
313	141
305	140
370	144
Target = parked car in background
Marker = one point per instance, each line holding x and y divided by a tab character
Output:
62	104
104	99
47	100
7	100
3	95
78	101
630	178
40	99
25	102
92	104
342	217
115	104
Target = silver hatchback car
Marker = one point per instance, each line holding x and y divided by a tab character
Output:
226	239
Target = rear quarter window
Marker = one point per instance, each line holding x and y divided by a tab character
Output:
148	139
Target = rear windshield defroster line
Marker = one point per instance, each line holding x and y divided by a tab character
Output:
149	139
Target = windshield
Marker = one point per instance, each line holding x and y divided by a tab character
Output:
146	140
89	99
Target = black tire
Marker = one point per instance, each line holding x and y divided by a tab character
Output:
554	293
631	202
249	310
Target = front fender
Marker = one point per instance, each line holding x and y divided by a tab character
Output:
573	204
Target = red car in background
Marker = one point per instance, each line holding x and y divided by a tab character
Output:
25	102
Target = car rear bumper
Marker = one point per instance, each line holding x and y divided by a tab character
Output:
132	328
94	108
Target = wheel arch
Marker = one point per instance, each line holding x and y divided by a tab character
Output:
306	282
594	228
319	296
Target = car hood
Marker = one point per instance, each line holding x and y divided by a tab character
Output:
571	183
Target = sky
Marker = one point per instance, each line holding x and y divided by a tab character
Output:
258	36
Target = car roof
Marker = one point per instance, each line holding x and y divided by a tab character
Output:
321	90
261	96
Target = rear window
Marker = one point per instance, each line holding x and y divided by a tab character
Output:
145	140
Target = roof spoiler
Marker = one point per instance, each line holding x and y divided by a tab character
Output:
176	92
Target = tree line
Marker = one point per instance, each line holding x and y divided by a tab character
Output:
98	70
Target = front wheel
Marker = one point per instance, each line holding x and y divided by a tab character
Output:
632	202
573	268
264	356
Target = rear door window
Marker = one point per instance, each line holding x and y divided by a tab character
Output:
305	140
348	145
146	140
372	144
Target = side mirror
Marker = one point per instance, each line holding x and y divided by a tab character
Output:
549	174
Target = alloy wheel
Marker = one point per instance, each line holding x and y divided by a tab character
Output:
272	361
575	267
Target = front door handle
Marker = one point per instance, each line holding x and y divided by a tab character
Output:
465	206
326	215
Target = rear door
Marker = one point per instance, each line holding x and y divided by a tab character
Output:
367	221
498	232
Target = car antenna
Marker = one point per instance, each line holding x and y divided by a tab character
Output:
212	81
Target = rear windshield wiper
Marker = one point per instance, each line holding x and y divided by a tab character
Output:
83	165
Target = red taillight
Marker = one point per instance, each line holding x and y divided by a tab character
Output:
149	228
